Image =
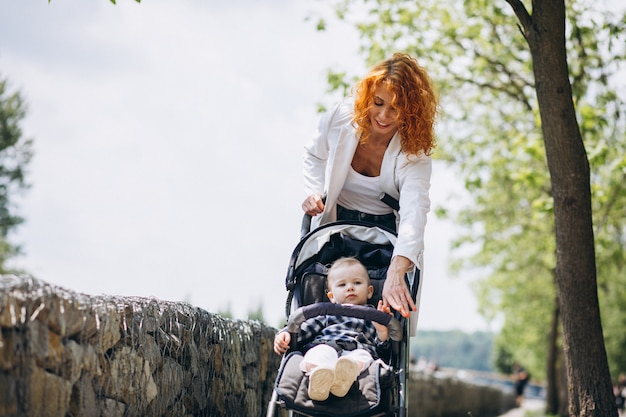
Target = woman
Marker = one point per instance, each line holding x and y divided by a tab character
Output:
378	143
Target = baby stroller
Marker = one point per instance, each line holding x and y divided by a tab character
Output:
378	391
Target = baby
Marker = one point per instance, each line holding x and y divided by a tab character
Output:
339	348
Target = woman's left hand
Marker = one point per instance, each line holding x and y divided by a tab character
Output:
396	293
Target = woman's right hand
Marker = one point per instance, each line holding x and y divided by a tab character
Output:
313	205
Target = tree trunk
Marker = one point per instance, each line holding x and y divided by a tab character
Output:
589	382
562	384
552	385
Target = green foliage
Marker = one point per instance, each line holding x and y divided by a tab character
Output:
15	154
253	314
490	133
454	349
504	360
226	313
256	314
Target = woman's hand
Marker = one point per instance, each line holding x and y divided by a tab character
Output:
395	291
382	331
313	205
281	342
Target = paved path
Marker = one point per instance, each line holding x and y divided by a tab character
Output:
527	405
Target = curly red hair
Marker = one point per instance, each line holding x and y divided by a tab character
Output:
413	97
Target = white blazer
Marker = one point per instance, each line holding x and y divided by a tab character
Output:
328	157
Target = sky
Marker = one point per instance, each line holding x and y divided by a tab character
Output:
168	141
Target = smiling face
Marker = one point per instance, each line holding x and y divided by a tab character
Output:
349	283
383	115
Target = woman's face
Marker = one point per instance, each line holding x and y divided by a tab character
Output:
383	114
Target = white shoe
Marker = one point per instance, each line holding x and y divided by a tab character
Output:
346	372
320	381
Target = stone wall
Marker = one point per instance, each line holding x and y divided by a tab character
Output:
69	354
444	396
65	354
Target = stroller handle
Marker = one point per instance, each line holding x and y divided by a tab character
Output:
305	227
358	311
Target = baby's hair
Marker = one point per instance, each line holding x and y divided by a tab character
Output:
345	261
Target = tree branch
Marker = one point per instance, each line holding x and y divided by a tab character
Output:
522	15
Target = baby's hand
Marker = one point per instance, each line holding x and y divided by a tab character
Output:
385	309
383	331
281	342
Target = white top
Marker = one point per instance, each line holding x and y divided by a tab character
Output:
362	193
328	157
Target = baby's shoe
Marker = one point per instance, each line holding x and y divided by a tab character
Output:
320	381
346	371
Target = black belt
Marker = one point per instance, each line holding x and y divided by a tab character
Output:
366	217
387	220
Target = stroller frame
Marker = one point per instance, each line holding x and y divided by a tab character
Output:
305	283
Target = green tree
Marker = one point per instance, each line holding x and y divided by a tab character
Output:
498	86
454	349
589	382
257	313
226	312
15	154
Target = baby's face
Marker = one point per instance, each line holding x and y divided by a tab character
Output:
349	284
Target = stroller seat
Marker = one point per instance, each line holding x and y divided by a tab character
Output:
371	394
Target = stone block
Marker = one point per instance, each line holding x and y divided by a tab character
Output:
8	396
48	395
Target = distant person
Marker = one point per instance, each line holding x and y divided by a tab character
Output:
372	146
338	348
619	389
520	378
